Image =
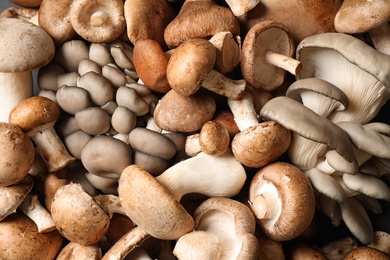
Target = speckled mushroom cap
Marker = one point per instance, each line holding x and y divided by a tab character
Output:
23	46
34	112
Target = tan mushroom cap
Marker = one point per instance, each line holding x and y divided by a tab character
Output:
34	47
358	16
34	112
179	113
16	154
200	19
53	17
266	55
214	138
98	21
261	144
151	206
363	253
289	195
21	240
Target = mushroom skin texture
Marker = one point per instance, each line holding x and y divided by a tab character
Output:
21	240
35	50
98	21
16	152
27	3
283	200
363	252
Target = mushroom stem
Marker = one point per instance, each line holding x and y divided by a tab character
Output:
98	18
126	244
265	205
14	88
282	61
224	86
52	150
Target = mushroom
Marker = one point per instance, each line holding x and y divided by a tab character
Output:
337	249
200	19
21	240
99	88
17	154
195	58
148	19
27	3
170	220
99	21
93	120
75	251
240	8
36	116
178	113
331	57
303	250
54	18
381	241
70	53
35	51
228	55
267	52
72	99
224	229
364	252
282	199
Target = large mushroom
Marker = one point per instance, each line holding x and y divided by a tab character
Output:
34	49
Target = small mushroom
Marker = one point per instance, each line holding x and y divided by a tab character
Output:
364	252
200	19
69	54
267	52
381	241
302	251
282	199
72	99
75	251
36	116
100	21
224	229
99	88
93	120
228	49
35	51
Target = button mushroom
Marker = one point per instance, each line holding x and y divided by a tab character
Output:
35	51
36	116
282	199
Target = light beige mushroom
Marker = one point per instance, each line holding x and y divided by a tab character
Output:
99	88
70	53
128	97
93	120
72	99
75	251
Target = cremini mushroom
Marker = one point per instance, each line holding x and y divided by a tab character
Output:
195	58
224	229
100	21
282	199
36	116
267	51
364	252
17	154
21	239
200	19
35	51
303	250
55	20
180	113
75	251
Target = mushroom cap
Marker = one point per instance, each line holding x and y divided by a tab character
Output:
364	252
151	206
294	199
214	138
357	16
27	3
267	35
16	154
200	19
21	239
33	46
261	144
194	58
34	112
76	251
77	216
178	113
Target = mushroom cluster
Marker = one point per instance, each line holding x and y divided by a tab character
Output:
196	129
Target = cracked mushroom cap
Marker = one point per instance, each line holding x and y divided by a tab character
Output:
33	46
282	199
200	19
331	56
16	154
151	206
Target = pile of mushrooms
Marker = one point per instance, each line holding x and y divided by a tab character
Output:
195	129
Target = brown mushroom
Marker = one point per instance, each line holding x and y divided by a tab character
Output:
363	253
282	199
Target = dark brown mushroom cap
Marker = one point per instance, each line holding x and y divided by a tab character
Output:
267	35
151	206
27	3
34	112
98	21
200	19
16	152
21	240
23	46
296	197
179	113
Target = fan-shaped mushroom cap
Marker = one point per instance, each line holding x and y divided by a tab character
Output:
200	19
98	21
151	206
289	200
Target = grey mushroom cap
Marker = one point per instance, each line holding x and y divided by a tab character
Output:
303	121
